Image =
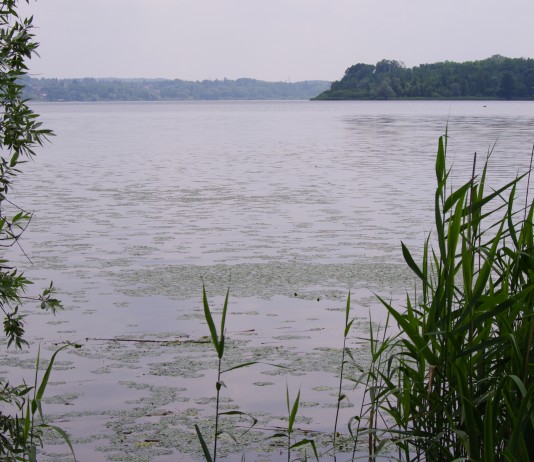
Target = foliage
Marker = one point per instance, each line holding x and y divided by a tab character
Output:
493	78
90	89
458	382
20	133
218	342
344	353
292	410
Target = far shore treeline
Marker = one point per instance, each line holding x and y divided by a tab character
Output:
497	77
90	89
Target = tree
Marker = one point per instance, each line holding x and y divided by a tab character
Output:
20	133
507	85
495	77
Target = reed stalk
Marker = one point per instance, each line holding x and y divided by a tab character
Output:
218	341
345	352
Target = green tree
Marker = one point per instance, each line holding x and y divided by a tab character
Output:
20	133
495	77
507	85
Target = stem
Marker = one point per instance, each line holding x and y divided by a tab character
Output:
218	386
288	447
528	184
339	392
471	242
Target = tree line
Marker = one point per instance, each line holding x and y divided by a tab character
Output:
91	89
497	77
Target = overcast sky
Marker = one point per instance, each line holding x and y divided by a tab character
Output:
274	40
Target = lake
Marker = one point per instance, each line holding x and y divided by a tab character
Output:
291	204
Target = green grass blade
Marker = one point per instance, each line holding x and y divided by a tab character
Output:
46	377
239	366
220	348
489	426
480	203
347	314
205	449
411	263
209	320
307	442
440	161
293	414
458	195
420	345
64	436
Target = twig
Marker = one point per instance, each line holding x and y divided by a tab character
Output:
138	340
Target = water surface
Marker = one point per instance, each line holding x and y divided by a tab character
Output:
297	202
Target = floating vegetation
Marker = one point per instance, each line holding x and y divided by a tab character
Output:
265	280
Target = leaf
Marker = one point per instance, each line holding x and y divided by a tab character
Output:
347	313
239	366
220	348
205	449
456	196
440	161
293	414
230	434
63	435
46	377
411	263
251	417
347	328
304	442
349	354
209	320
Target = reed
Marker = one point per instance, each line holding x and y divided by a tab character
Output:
218	342
458	382
292	410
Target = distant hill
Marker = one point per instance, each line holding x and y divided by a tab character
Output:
90	89
497	77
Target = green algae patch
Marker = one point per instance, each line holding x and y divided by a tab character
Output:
265	279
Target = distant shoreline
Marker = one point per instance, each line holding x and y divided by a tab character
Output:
93	90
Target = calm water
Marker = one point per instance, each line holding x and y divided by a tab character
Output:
298	202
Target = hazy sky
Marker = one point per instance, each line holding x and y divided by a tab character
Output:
275	40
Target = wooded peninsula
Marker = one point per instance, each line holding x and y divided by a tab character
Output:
497	77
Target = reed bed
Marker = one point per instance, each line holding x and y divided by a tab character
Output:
455	382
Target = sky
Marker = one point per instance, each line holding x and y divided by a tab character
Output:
273	40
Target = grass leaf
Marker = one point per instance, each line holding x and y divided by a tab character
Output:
205	449
209	320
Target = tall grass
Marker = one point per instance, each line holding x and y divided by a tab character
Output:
458	382
344	353
292	410
218	341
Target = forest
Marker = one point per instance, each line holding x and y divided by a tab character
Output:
497	77
91	89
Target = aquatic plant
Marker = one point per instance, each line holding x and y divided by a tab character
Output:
292	410
218	342
344	352
457	381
